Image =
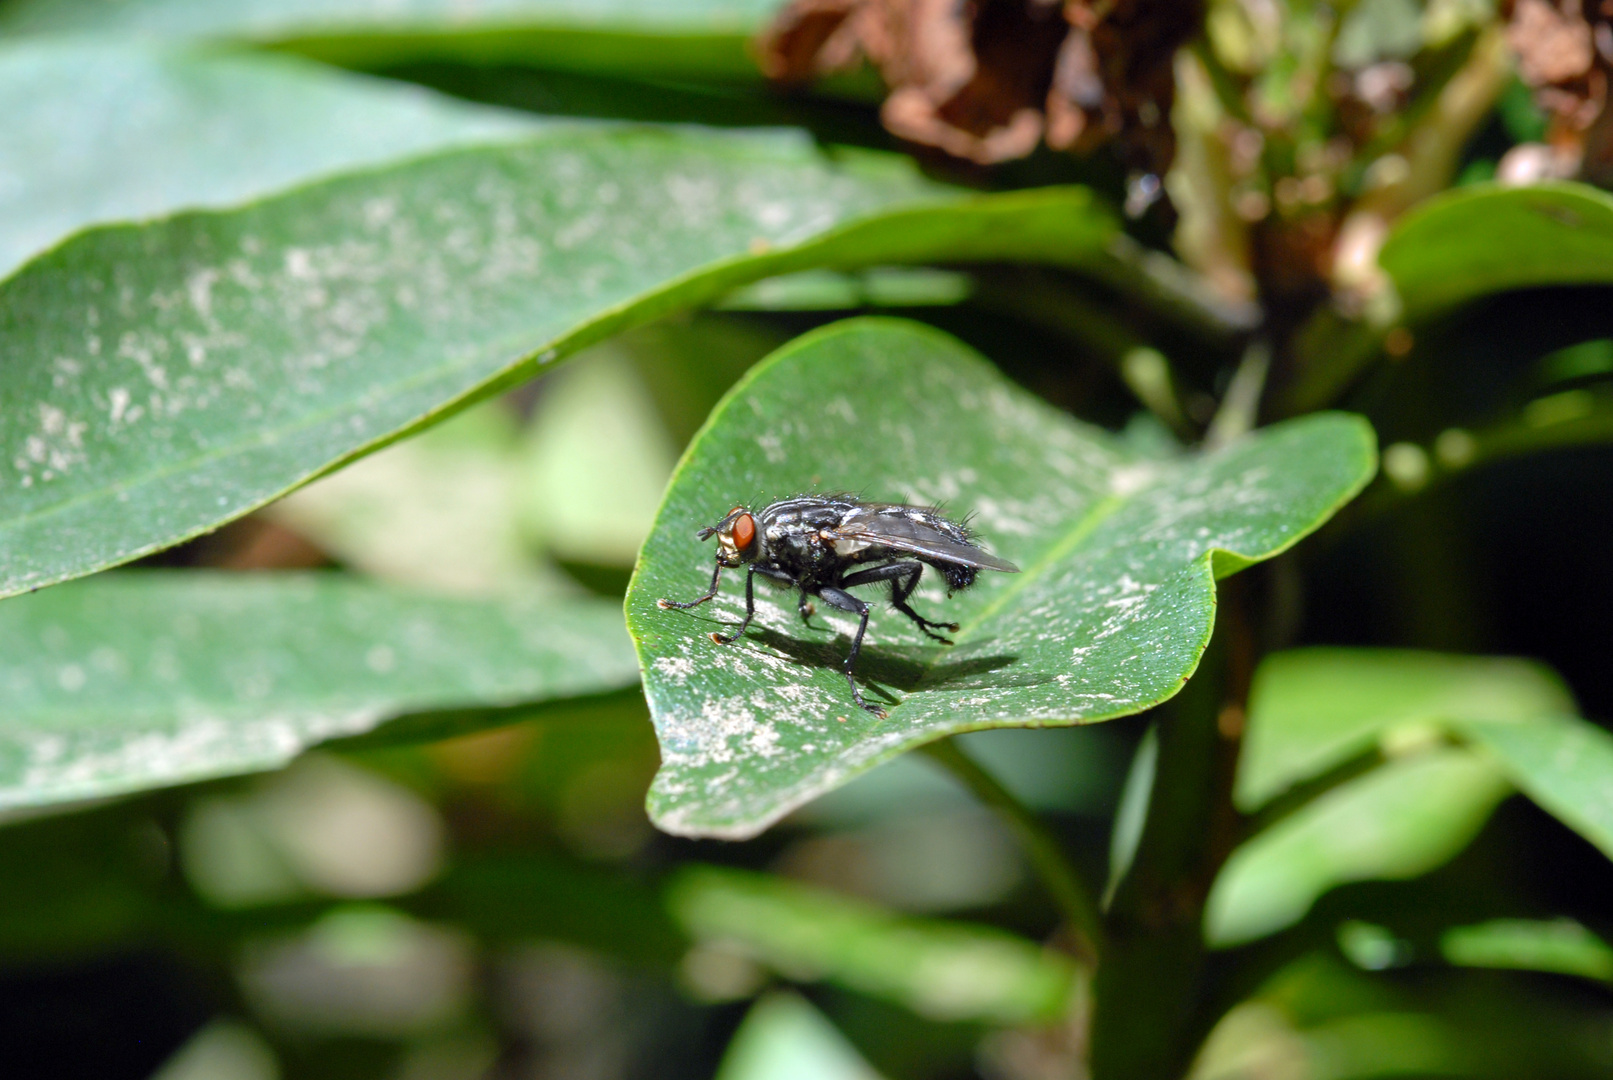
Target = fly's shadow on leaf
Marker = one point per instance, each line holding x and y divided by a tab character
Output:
904	668
1108	617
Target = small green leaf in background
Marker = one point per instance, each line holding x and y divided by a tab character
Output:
149	679
1113	609
1481	240
207	131
940	970
1561	946
179	373
1563	763
1311	709
1399	821
784	1038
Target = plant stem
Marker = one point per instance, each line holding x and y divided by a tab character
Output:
1058	874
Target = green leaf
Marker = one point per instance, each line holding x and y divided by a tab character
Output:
700	38
164	378
1564	764
940	970
1311	709
143	680
1120	554
208	131
1399	821
1561	946
784	1038
1469	243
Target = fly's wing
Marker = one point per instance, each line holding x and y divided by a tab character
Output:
904	533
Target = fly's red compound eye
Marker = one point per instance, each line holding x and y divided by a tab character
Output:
744	531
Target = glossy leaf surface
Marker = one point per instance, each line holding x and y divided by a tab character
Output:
206	131
1120	555
1473	242
164	378
150	679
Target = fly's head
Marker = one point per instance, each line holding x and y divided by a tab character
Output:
738	541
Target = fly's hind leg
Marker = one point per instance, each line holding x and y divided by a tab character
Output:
904	578
847	602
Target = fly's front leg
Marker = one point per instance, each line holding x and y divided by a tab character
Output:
904	578
716	575
805	609
847	602
750	610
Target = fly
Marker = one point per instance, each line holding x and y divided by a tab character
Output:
823	545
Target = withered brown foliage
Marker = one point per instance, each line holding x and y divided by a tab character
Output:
1565	54
988	80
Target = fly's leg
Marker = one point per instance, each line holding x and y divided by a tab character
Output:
847	602
805	609
904	578
750	611
716	574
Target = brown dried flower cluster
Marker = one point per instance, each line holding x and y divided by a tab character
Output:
1565	54
988	80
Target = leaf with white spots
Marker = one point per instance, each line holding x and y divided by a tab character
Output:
165	377
208	130
1563	763
1119	552
143	680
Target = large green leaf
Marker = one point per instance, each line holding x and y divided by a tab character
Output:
1563	763
163	378
100	132
144	680
1120	556
703	38
941	970
1311	709
1476	241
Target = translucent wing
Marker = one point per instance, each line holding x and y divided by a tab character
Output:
906	529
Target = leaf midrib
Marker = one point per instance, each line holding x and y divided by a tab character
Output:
1095	515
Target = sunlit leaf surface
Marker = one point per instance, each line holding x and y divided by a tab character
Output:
110	132
1120	554
149	679
163	378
